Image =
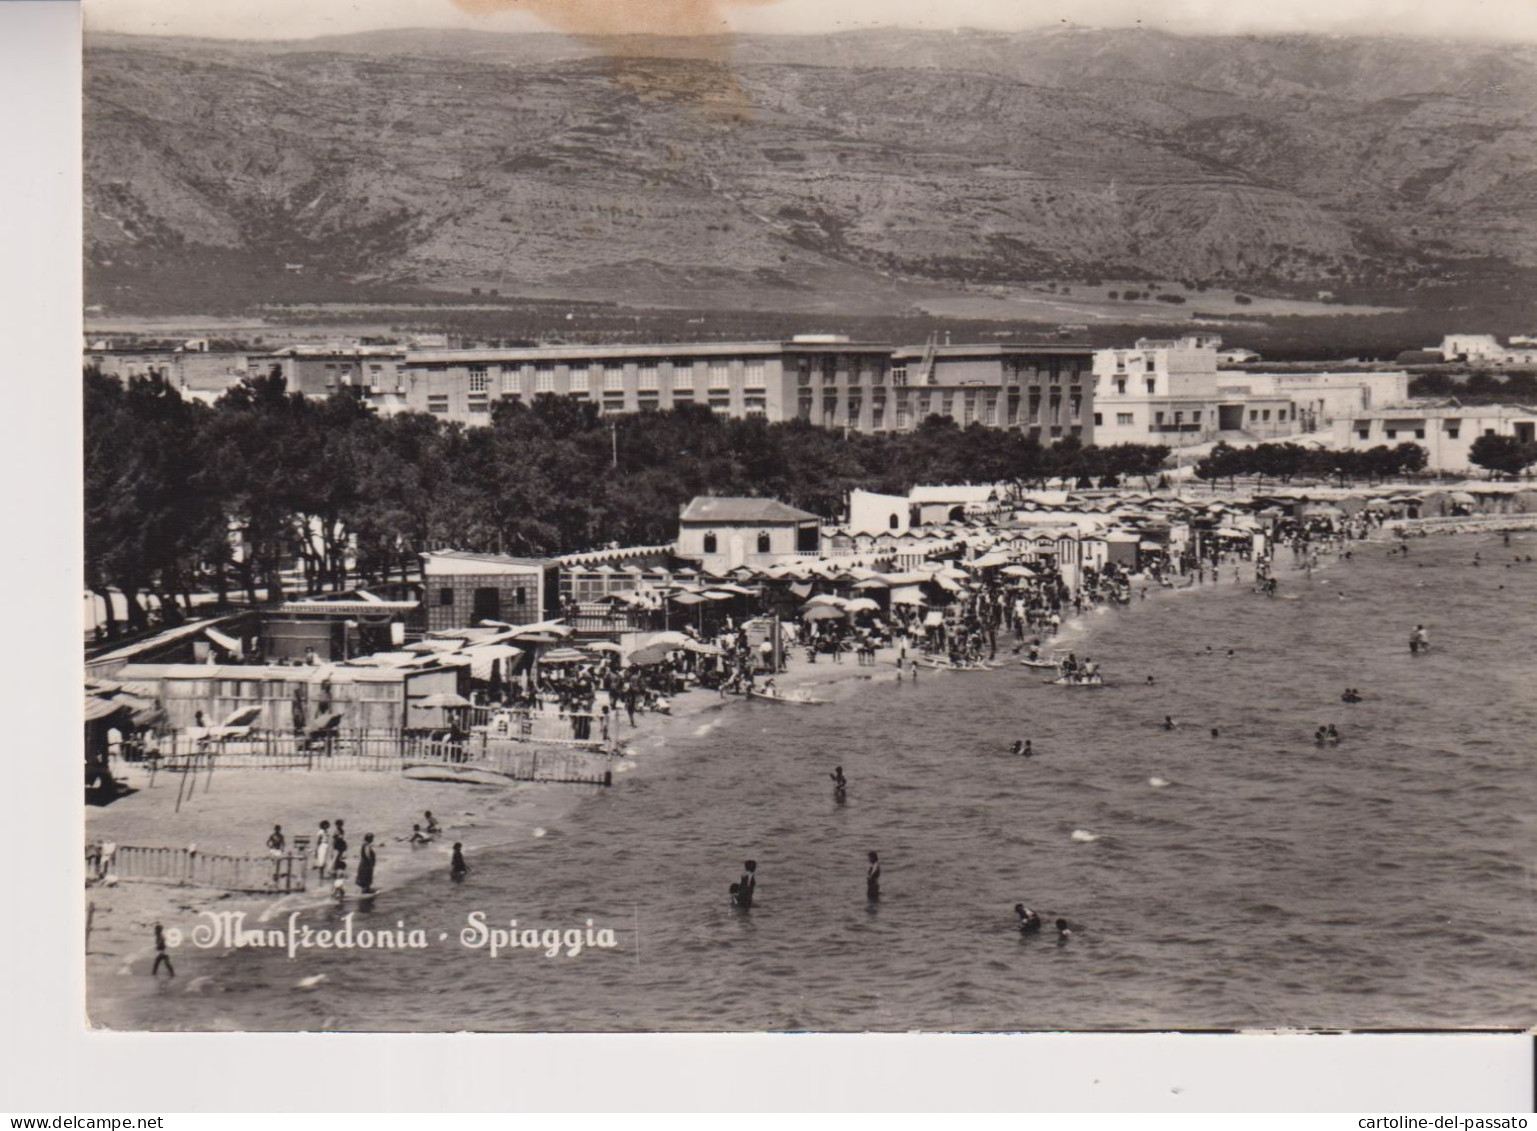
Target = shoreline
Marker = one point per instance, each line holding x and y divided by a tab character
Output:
222	818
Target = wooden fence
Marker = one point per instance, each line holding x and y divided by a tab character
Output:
547	726
387	752
287	873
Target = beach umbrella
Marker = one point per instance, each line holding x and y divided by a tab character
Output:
1018	571
862	605
650	654
670	639
565	656
243	717
823	612
605	646
823	599
702	648
873	583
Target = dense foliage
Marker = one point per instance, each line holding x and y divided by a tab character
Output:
169	481
1503	455
1478	388
1283	462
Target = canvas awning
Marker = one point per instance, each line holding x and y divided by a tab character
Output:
98	708
484	658
441	699
225	641
823	612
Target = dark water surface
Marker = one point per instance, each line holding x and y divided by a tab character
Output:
1386	882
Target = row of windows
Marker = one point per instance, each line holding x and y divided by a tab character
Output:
541	378
712	543
613	402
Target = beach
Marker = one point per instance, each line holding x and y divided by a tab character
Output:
1210	878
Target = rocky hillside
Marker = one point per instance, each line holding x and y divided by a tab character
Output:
539	164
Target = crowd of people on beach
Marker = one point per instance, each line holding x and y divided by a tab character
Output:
965	633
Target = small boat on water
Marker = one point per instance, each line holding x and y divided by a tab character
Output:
1078	681
781	697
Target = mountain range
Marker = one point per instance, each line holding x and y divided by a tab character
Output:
848	164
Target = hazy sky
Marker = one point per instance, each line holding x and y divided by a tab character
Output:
270	19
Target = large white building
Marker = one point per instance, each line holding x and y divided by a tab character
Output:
1322	398
1043	391
1446	432
1174	392
1170	391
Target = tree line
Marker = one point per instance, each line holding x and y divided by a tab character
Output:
181	496
1285	461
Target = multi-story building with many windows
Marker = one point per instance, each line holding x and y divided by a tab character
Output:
737	379
825	379
1044	391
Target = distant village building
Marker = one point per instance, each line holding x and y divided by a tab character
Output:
720	534
1446	432
1485	350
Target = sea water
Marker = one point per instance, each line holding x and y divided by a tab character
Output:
1246	879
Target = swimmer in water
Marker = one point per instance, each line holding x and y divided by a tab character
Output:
748	884
1168	722
457	868
1063	933
873	878
1017	748
1029	921
1333	736
1028	751
840	783
1151	681
1215	733
1320	736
